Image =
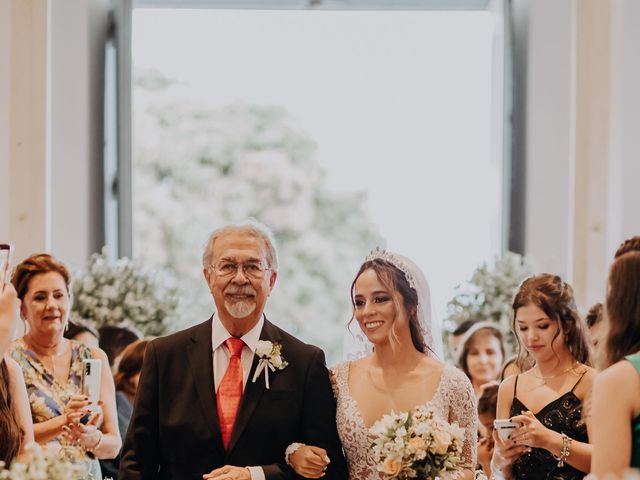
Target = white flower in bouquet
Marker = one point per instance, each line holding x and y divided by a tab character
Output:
123	293
45	463
417	445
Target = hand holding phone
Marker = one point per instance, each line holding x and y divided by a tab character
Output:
5	259
504	427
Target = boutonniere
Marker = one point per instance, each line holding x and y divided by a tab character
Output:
270	359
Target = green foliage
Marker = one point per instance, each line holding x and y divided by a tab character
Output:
489	294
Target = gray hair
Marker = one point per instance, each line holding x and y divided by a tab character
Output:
250	227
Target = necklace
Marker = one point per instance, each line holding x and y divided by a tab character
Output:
550	377
39	351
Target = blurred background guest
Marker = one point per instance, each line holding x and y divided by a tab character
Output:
553	442
82	332
594	322
616	396
114	339
16	428
481	353
458	333
52	367
487	404
127	374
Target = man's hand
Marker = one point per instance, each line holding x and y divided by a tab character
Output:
309	461
229	472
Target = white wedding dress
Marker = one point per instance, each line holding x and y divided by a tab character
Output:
454	400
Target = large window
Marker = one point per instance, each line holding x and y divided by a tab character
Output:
340	129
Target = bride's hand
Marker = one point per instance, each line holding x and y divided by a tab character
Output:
309	461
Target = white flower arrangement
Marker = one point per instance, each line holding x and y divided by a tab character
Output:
488	296
417	445
123	293
270	355
45	463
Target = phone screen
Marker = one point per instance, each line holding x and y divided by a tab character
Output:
5	260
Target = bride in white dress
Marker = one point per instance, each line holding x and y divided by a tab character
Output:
392	306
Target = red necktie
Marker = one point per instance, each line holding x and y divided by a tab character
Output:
230	390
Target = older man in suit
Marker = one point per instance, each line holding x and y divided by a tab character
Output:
224	399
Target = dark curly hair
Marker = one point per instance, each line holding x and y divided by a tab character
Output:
554	297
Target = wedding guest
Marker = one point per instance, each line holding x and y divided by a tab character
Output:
52	367
114	339
616	396
487	404
595	324
16	428
629	245
458	333
82	332
127	376
553	442
480	356
398	371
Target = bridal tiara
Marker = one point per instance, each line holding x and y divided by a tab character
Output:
381	254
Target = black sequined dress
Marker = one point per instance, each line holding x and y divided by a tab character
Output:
563	415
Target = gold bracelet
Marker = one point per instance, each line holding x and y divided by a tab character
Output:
564	450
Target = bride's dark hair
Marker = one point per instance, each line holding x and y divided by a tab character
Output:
394	280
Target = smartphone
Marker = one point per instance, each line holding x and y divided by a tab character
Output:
505	427
5	260
91	376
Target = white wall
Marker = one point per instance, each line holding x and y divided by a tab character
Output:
51	126
78	30
5	87
549	148
583	138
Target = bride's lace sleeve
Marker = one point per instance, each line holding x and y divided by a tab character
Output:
463	410
333	372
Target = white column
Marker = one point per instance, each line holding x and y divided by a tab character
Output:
5	114
593	102
626	124
29	189
550	123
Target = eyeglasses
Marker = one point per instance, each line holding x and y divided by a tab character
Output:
225	268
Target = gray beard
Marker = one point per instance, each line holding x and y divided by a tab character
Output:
240	309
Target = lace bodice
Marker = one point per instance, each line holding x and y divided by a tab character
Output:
454	400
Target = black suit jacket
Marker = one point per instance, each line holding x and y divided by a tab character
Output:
174	431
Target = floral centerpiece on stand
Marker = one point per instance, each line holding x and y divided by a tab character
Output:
45	463
417	445
123	293
488	296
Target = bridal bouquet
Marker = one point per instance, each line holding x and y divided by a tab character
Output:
45	463
417	445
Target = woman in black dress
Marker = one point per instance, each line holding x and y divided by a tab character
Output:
552	441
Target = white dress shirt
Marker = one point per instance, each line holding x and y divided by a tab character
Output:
221	356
